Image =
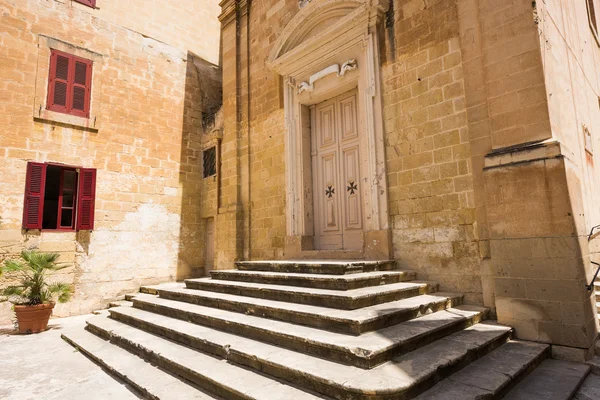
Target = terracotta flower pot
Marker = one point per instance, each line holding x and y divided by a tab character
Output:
33	319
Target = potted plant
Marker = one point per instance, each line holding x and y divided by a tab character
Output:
33	297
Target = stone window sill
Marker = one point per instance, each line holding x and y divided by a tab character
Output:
44	115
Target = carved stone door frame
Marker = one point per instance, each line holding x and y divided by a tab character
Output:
328	48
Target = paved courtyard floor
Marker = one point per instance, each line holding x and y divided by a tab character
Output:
44	366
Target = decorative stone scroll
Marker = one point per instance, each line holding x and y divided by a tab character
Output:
332	69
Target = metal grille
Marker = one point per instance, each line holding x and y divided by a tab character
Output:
209	158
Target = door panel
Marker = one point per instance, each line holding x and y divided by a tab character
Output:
326	120
337	197
329	187
326	178
350	171
348	118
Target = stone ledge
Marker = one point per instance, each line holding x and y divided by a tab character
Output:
527	152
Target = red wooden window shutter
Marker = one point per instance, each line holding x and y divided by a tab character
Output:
69	84
81	87
91	3
35	185
58	82
87	199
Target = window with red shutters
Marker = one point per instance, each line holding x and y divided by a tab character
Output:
69	84
90	3
59	197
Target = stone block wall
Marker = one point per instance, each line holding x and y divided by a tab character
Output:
145	140
538	181
189	25
489	181
430	170
571	54
505	94
536	255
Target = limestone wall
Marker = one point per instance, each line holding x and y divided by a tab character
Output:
571	56
430	171
428	146
532	59
144	138
188	25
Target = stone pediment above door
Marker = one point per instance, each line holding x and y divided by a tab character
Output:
320	28
330	49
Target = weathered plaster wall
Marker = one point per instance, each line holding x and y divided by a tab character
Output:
146	145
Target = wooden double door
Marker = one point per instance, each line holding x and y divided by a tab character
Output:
337	191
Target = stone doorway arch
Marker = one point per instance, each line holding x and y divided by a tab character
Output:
328	48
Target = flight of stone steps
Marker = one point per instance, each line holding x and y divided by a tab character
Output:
317	330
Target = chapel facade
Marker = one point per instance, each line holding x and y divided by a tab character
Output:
455	137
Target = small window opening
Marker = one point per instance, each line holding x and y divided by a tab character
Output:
60	198
209	159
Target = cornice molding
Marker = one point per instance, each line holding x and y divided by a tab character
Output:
321	27
229	9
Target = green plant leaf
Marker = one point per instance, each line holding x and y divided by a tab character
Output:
61	290
12	291
12	266
33	288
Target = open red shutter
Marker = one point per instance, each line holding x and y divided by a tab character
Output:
58	81
81	89
87	199
35	185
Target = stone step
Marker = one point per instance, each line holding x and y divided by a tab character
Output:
153	289
149	381
210	373
354	322
401	378
491	376
590	389
329	267
552	380
347	300
594	362
365	351
318	281
120	303
130	296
